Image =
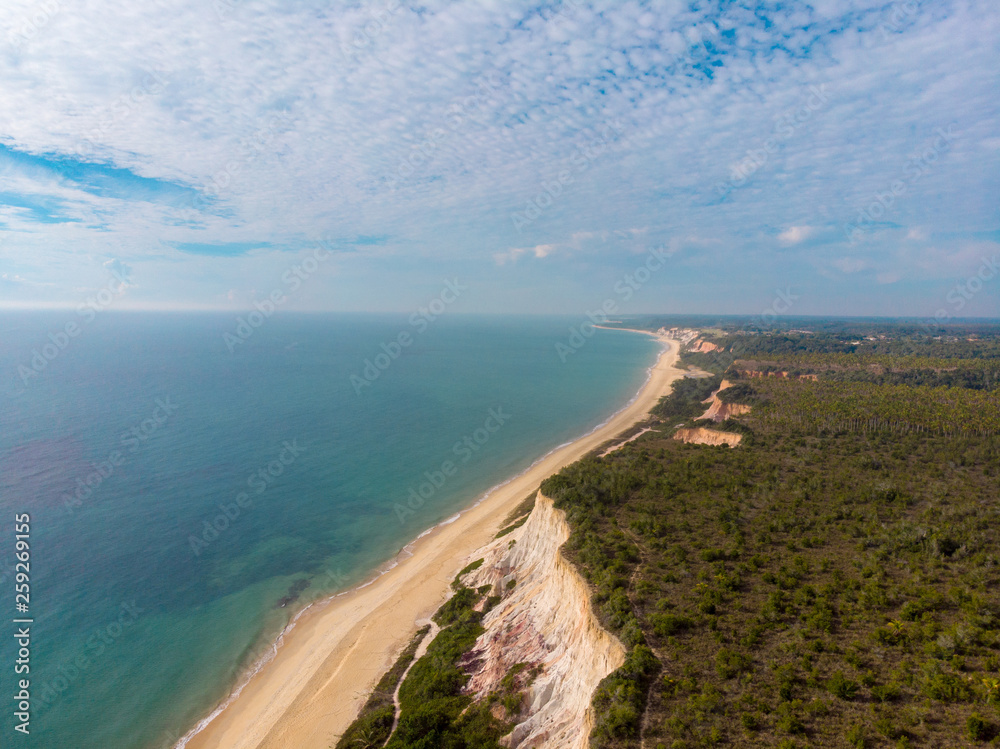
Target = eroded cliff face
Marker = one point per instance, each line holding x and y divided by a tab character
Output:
546	620
704	347
719	411
702	436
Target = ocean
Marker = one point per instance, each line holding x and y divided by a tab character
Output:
193	481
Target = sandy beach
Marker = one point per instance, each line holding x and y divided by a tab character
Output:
322	674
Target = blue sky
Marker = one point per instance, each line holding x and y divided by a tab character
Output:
845	153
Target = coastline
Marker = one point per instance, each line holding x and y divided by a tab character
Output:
330	658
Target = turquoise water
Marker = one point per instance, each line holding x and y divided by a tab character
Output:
223	484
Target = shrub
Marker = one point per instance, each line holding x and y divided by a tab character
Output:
370	730
729	663
373	726
886	692
786	684
665	625
978	729
791	723
856	737
471	567
457	607
822	615
947	688
620	700
885	726
840	686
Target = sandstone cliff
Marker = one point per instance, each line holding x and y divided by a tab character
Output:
702	436
704	347
719	411
545	620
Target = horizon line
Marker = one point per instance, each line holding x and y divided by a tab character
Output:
59	307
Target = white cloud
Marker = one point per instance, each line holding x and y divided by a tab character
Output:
512	255
433	125
795	234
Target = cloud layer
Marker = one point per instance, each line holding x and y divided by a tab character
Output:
833	144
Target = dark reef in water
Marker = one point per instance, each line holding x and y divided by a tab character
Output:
293	593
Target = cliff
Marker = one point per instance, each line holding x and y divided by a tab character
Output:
546	621
719	411
702	436
704	347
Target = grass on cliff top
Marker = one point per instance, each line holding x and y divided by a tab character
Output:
831	582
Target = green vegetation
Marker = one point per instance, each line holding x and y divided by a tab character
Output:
830	582
372	727
913	370
472	567
959	355
686	401
522	510
435	712
620	699
821	407
512	527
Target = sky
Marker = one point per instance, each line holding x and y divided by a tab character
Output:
832	157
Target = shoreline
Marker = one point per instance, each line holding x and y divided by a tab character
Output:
327	660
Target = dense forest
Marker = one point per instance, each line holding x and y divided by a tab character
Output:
832	581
